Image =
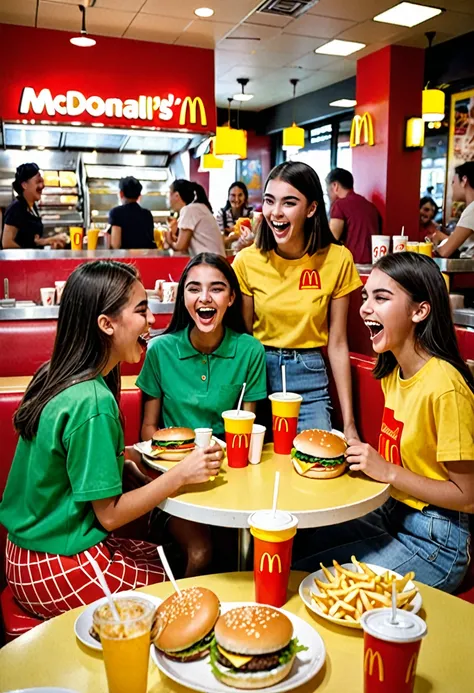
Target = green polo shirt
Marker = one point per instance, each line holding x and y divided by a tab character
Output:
76	457
196	388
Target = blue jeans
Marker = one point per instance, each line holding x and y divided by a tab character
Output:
433	542
307	376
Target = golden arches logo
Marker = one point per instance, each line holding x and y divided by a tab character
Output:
271	560
243	440
362	130
192	105
281	422
411	667
369	663
310	279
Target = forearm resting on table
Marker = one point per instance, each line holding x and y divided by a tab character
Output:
457	493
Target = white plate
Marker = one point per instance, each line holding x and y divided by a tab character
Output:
144	448
83	622
199	677
308	585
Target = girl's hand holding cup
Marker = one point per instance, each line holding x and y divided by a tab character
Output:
202	464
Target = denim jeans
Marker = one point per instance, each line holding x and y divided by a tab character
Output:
306	375
433	542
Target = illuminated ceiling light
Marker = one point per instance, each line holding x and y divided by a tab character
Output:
415	133
204	12
344	103
407	14
97	125
83	41
23	147
339	47
293	137
210	161
41	148
433	105
139	151
241	95
229	143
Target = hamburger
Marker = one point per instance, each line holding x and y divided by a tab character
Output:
253	647
319	454
189	619
172	443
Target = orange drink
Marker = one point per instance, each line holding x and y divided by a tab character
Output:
76	234
413	247
426	248
126	644
92	238
158	237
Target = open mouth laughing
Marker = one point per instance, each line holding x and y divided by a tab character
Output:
280	227
143	339
206	315
375	328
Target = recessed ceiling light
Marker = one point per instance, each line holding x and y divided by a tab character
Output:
343	103
407	14
204	12
339	47
97	125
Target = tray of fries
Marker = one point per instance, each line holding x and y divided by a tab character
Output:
342	593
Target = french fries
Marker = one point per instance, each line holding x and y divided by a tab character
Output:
347	594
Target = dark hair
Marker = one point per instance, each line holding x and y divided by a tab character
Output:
466	170
341	176
23	173
131	187
81	349
190	192
420	277
316	229
233	315
427	200
241	186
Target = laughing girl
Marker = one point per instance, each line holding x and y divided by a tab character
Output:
426	445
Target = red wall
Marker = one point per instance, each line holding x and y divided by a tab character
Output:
259	147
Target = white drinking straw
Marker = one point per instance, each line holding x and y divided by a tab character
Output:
167	568
101	578
170	278
403	231
275	492
283	377
241	398
393	617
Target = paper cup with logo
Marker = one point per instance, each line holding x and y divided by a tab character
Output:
273	543
400	244
48	294
92	238
391	650
238	431
426	248
285	412
169	292
76	234
159	288
380	247
256	443
59	286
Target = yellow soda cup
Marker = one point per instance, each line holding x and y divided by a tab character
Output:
76	234
426	248
92	238
413	247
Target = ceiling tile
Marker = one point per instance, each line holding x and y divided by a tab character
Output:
371	32
455	5
203	34
252	73
357	11
455	23
418	40
269	19
125	5
147	27
18	12
319	27
225	10
313	61
52	15
294	45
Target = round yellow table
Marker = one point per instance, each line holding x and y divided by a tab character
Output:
50	655
235	494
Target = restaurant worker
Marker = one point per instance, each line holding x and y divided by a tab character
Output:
65	491
236	207
426	444
197	230
23	227
296	282
131	224
462	237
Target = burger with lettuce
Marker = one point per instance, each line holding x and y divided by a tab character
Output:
318	454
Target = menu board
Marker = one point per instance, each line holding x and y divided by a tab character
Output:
461	145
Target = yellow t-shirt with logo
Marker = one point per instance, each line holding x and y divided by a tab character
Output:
292	297
428	420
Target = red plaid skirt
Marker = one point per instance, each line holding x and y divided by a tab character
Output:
48	584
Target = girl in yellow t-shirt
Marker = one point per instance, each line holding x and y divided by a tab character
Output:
296	282
426	444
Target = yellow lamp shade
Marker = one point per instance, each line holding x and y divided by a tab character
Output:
230	143
433	104
293	138
210	161
415	133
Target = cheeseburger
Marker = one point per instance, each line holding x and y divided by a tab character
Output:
189	620
253	647
319	454
173	443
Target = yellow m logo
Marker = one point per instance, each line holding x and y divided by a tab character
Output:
362	130
411	667
280	423
239	440
192	105
369	663
271	560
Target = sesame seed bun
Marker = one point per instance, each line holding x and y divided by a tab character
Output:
173	433
170	435
320	443
253	630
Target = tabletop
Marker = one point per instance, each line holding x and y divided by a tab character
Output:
50	654
229	500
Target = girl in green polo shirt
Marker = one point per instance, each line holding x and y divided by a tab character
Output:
64	492
196	369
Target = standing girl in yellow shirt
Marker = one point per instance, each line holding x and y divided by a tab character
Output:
426	445
296	282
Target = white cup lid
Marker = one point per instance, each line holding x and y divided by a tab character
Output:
264	520
409	627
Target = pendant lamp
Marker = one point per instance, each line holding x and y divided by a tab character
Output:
210	161
83	41
230	143
433	100
293	137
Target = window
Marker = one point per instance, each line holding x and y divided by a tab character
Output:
317	154
344	151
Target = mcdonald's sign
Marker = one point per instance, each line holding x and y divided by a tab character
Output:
411	667
369	663
271	560
362	130
192	105
280	423
310	279
242	439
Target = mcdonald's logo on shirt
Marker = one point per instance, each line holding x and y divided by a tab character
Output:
240	440
310	279
370	659
271	560
281	423
362	130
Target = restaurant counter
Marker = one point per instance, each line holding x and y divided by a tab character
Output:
27	310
